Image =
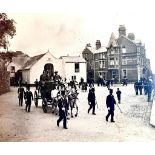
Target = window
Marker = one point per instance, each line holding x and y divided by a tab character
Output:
112	52
124	61
113	73
102	64
12	69
73	78
77	67
111	61
101	56
123	49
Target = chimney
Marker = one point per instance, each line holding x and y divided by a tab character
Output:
98	44
131	36
122	30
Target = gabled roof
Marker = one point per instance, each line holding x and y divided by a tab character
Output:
112	41
73	59
32	61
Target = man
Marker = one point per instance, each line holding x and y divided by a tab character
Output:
140	87
91	100
110	102
118	95
28	98
136	87
21	93
62	112
36	84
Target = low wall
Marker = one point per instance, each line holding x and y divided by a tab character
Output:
4	82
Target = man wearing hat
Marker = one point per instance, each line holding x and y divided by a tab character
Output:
62	112
110	102
91	100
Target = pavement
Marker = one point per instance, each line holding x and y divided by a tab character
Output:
131	125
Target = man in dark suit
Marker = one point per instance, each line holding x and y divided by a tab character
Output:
91	100
28	98
110	102
62	112
21	93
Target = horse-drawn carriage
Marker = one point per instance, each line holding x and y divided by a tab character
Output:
44	93
48	92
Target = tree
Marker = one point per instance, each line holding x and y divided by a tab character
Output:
7	29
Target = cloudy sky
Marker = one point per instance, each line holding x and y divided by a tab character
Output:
66	26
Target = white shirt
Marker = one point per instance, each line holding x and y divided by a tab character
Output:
54	93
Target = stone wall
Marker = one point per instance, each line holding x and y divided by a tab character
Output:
4	81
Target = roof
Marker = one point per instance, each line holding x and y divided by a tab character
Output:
112	41
20	60
101	49
32	61
93	50
73	59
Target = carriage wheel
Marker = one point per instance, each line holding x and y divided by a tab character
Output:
36	98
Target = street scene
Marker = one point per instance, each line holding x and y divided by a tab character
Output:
75	74
130	125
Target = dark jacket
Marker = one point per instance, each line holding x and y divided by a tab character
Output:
61	105
29	96
110	101
91	97
21	92
118	93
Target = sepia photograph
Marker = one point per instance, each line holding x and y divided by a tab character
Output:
77	71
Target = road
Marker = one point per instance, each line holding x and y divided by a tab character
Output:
131	125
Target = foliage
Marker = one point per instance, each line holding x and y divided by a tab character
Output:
7	29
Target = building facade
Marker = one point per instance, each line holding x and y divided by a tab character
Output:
67	67
124	57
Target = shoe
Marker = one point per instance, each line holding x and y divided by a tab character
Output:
93	113
57	123
65	128
88	111
113	121
106	119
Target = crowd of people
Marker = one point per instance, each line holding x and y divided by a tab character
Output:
66	93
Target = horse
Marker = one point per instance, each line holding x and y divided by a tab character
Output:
72	100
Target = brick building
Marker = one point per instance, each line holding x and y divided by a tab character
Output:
124	57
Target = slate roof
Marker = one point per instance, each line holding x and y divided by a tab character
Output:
32	61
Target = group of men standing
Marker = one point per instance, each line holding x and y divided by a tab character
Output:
27	95
147	85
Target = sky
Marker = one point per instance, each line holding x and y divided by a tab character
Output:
66	26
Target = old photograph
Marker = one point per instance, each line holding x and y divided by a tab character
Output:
77	71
